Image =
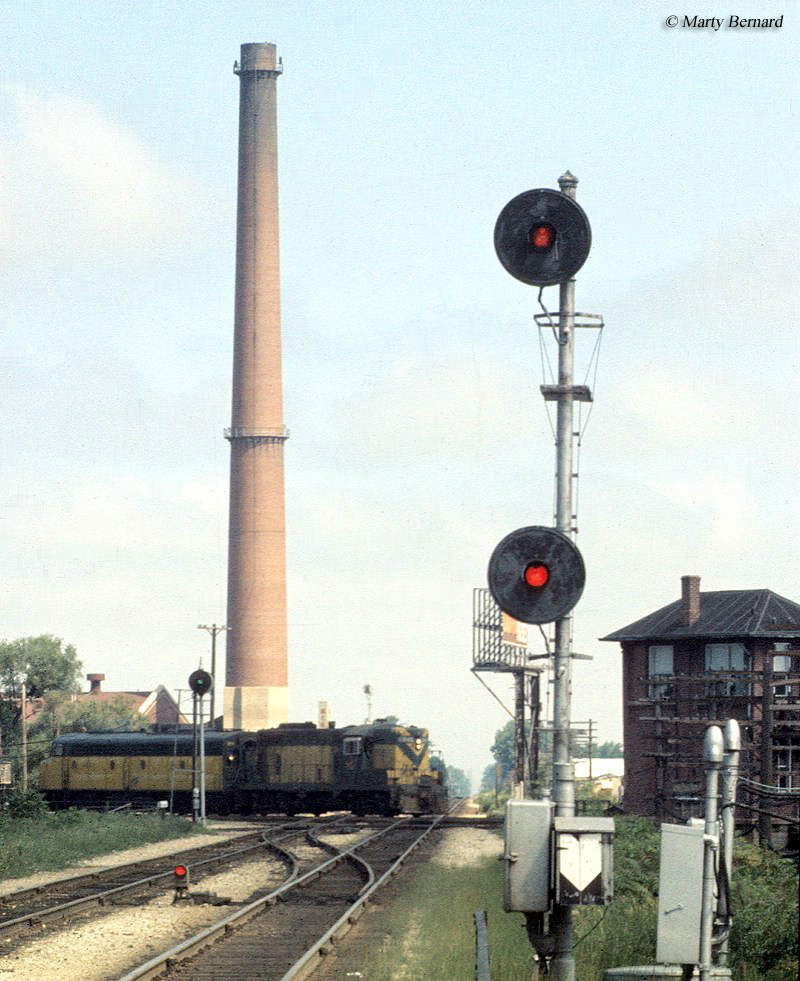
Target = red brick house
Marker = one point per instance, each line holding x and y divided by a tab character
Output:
703	659
157	706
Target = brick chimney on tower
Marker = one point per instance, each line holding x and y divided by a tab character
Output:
690	600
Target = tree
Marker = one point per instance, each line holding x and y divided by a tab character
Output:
458	783
608	751
502	749
61	713
42	664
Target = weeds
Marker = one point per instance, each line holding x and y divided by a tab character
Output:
48	842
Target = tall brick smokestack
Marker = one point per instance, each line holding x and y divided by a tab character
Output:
256	678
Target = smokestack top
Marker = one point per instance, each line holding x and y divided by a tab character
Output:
259	57
690	599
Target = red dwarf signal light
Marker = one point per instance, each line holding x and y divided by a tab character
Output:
181	877
536	575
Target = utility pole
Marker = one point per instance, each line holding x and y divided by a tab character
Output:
368	693
213	630
24	737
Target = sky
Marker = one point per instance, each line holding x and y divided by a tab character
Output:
412	363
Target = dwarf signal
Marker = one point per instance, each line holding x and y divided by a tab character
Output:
536	574
181	881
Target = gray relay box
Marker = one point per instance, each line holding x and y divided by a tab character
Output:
527	855
680	894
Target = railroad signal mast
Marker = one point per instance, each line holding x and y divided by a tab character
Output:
536	575
201	683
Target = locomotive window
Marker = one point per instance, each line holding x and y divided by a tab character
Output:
142	764
182	765
112	765
352	746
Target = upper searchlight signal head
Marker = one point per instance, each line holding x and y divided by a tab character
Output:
542	237
536	575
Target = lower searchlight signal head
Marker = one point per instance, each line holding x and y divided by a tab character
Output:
536	575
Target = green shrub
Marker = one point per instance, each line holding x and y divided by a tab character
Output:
489	805
764	943
26	804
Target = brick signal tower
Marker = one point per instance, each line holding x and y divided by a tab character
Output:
256	678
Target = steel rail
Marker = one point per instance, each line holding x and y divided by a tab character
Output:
306	964
187	948
86	877
38	917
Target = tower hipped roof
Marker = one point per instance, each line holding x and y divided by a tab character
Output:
724	613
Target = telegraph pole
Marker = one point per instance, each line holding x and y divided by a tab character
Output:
213	630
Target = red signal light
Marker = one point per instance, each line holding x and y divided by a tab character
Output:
542	237
181	884
536	575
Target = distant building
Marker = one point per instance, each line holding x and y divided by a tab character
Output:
157	706
606	774
706	658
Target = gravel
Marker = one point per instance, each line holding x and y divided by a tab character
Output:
110	945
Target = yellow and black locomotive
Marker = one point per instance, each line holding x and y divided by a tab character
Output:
295	768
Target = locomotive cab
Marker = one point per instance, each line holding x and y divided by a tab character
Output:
385	768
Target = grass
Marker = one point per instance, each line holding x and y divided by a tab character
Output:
56	841
429	932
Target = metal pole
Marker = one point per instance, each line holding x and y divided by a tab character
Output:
195	788
519	732
712	753
730	773
202	766
562	965
24	738
765	770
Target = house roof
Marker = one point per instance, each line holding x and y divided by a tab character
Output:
723	613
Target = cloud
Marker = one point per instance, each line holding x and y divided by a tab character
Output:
76	182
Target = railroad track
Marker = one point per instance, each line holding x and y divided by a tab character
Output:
68	897
283	934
